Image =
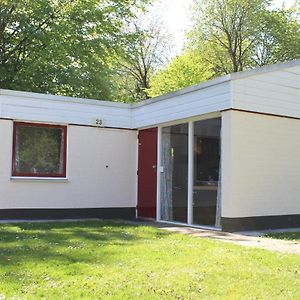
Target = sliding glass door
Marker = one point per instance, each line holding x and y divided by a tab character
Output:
206	171
191	200
174	178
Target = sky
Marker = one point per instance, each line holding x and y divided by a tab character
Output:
176	17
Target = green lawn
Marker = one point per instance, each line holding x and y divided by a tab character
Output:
291	236
106	260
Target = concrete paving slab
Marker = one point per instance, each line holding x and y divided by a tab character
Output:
239	239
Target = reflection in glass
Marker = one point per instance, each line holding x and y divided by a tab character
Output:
39	150
174	178
206	170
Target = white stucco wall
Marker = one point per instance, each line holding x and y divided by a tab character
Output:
90	185
261	165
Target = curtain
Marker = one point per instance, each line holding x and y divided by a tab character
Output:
166	177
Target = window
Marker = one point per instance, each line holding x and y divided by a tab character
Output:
39	150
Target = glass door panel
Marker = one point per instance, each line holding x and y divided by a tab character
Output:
206	170
174	176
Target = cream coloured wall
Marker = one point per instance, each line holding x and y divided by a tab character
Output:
90	184
260	165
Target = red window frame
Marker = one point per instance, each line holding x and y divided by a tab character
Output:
23	174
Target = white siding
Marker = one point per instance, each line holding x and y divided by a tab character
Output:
183	105
91	184
261	165
273	90
276	92
209	97
46	108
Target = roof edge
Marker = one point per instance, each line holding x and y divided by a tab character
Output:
265	69
5	92
190	89
219	80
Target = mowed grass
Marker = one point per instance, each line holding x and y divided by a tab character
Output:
106	260
289	236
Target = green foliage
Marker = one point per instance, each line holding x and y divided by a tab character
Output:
106	260
233	35
143	55
184	70
225	31
125	88
62	47
83	48
278	39
39	150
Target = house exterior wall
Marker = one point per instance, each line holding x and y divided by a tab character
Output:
260	169
101	172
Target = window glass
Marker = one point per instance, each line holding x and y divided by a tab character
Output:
206	170
39	150
174	179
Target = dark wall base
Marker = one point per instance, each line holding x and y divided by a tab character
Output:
128	213
260	223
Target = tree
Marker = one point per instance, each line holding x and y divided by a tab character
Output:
62	47
143	55
278	39
231	36
234	35
182	71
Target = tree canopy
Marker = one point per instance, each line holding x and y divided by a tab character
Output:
231	36
63	47
182	71
143	55
87	48
234	35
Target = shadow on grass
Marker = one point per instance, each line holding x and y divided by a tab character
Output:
290	236
68	242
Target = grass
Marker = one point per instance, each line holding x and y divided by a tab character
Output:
106	260
290	236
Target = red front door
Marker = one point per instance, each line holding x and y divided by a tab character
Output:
147	173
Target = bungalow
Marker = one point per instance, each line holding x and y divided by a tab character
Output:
223	154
